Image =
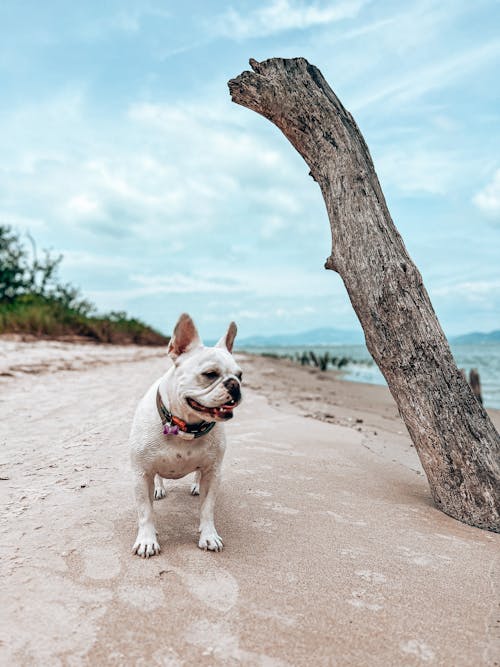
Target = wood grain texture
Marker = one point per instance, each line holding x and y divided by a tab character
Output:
455	439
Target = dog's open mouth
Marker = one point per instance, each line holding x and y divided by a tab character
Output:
220	412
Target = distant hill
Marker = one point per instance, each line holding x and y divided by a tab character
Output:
331	336
324	336
477	338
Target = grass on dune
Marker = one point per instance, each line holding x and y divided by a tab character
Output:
34	302
37	316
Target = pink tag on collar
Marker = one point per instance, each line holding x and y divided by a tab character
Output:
170	430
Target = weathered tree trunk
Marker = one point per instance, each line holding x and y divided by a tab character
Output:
458	445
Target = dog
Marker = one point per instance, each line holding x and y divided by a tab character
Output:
178	429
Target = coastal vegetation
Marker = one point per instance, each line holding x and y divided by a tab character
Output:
323	361
33	300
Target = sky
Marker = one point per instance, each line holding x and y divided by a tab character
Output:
121	149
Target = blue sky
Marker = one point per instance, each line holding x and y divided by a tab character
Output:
120	148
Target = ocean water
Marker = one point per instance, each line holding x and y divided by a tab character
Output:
361	367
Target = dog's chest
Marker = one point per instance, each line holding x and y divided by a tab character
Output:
176	460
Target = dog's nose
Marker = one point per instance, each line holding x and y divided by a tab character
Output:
233	387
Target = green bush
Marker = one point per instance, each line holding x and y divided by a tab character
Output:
33	301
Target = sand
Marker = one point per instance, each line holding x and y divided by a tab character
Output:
334	552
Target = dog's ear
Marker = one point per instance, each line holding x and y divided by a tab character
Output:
227	339
185	337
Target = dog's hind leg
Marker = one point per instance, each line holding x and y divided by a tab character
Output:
159	488
195	486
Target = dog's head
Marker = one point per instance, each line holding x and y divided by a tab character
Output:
206	380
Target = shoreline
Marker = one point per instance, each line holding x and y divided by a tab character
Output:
288	386
356	364
326	396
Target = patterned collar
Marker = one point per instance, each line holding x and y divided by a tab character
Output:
172	425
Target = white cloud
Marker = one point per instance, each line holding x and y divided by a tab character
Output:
281	15
167	175
255	283
488	199
214	163
178	283
128	21
415	169
82	206
22	222
480	292
402	88
167	165
211	128
271	226
92	261
288	313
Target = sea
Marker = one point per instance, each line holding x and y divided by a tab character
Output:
360	367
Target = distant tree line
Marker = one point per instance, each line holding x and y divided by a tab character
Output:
24	274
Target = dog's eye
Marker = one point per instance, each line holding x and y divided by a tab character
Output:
210	375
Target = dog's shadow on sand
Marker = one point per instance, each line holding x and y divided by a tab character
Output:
177	517
177	514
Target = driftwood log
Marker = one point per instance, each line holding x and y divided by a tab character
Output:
457	443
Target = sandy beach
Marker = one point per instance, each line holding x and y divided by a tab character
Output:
334	552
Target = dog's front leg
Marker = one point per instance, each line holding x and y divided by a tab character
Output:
146	544
209	484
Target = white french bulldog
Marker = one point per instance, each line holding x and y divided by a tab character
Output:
177	430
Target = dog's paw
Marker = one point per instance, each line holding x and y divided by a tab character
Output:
195	489
160	492
210	541
146	545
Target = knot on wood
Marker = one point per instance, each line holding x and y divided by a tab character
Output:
254	64
331	265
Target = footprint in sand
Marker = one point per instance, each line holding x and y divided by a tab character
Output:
222	647
345	520
146	598
165	658
264	525
363	599
354	552
101	562
208	582
421	559
282	509
371	577
419	649
259	493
